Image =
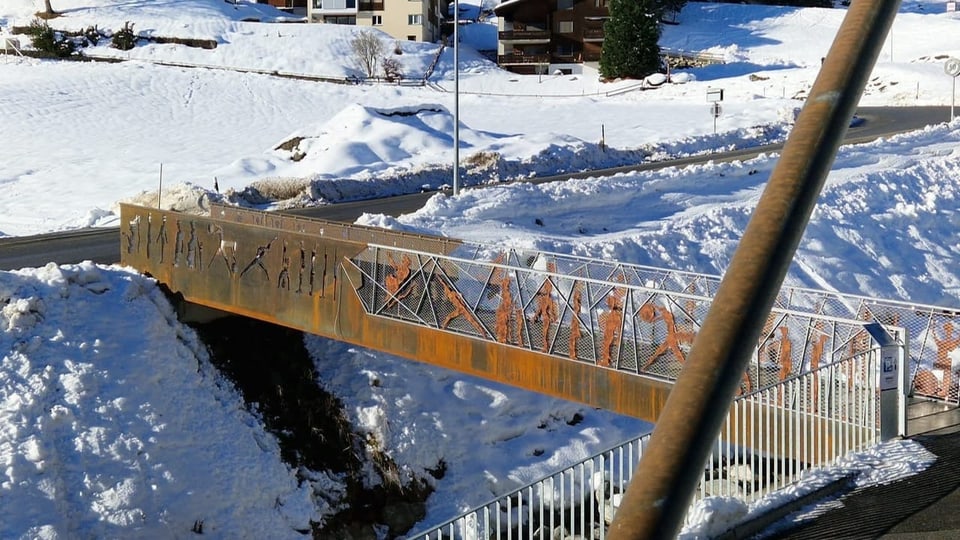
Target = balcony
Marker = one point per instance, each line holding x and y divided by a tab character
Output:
593	34
371	6
530	36
507	59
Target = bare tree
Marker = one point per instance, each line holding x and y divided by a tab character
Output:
367	49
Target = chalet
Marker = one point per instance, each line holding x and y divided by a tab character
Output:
546	36
295	7
409	20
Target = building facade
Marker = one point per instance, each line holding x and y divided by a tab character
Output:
405	20
546	36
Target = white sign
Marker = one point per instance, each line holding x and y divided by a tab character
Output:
951	6
714	95
952	67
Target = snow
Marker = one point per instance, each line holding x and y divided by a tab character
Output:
114	423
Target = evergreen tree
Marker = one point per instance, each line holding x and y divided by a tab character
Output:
630	38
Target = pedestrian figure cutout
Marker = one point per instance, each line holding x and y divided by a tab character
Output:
258	260
546	313
225	246
611	324
459	309
395	281
945	346
650	313
575	321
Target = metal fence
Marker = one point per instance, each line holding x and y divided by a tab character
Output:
638	318
769	439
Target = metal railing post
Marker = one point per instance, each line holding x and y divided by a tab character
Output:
657	500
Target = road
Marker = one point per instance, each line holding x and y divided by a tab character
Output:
102	245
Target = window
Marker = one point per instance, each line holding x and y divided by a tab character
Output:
415	20
564	4
335	4
377	20
564	49
566	27
341	19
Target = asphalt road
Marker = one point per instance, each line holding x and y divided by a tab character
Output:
102	245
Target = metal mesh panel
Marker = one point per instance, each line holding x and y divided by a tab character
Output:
630	318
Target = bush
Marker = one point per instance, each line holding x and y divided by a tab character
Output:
45	40
391	69
124	39
92	34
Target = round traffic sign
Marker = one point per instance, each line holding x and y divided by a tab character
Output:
952	67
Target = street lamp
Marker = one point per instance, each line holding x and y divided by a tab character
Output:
456	97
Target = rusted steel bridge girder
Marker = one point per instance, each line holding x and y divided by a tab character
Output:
606	334
300	273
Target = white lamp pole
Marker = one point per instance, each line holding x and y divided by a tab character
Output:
456	97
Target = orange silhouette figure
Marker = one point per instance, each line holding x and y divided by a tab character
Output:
786	350
611	323
506	307
786	357
546	312
459	309
816	354
575	321
650	313
504	310
395	281
945	345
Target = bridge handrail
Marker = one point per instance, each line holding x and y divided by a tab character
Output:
821	432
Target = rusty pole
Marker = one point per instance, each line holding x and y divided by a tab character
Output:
656	502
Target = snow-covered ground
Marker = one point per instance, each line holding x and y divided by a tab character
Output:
101	389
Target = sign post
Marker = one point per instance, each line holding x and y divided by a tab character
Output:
714	97
892	383
952	68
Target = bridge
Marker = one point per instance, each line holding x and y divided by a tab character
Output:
607	334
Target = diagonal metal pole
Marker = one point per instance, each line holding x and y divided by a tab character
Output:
656	502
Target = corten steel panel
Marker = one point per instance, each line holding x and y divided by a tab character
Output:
291	271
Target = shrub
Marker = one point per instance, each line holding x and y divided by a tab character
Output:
391	69
367	48
124	39
92	34
45	40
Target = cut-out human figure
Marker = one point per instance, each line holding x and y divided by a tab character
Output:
459	309
611	324
946	345
546	313
651	313
395	281
575	304
258	259
227	249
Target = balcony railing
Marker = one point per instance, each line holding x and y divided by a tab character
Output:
523	59
518	35
593	33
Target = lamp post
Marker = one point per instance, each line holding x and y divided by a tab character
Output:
456	97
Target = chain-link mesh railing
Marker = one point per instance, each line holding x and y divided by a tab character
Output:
632	317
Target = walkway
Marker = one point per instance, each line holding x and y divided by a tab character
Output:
923	506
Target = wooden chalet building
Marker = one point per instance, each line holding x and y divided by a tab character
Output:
546	36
